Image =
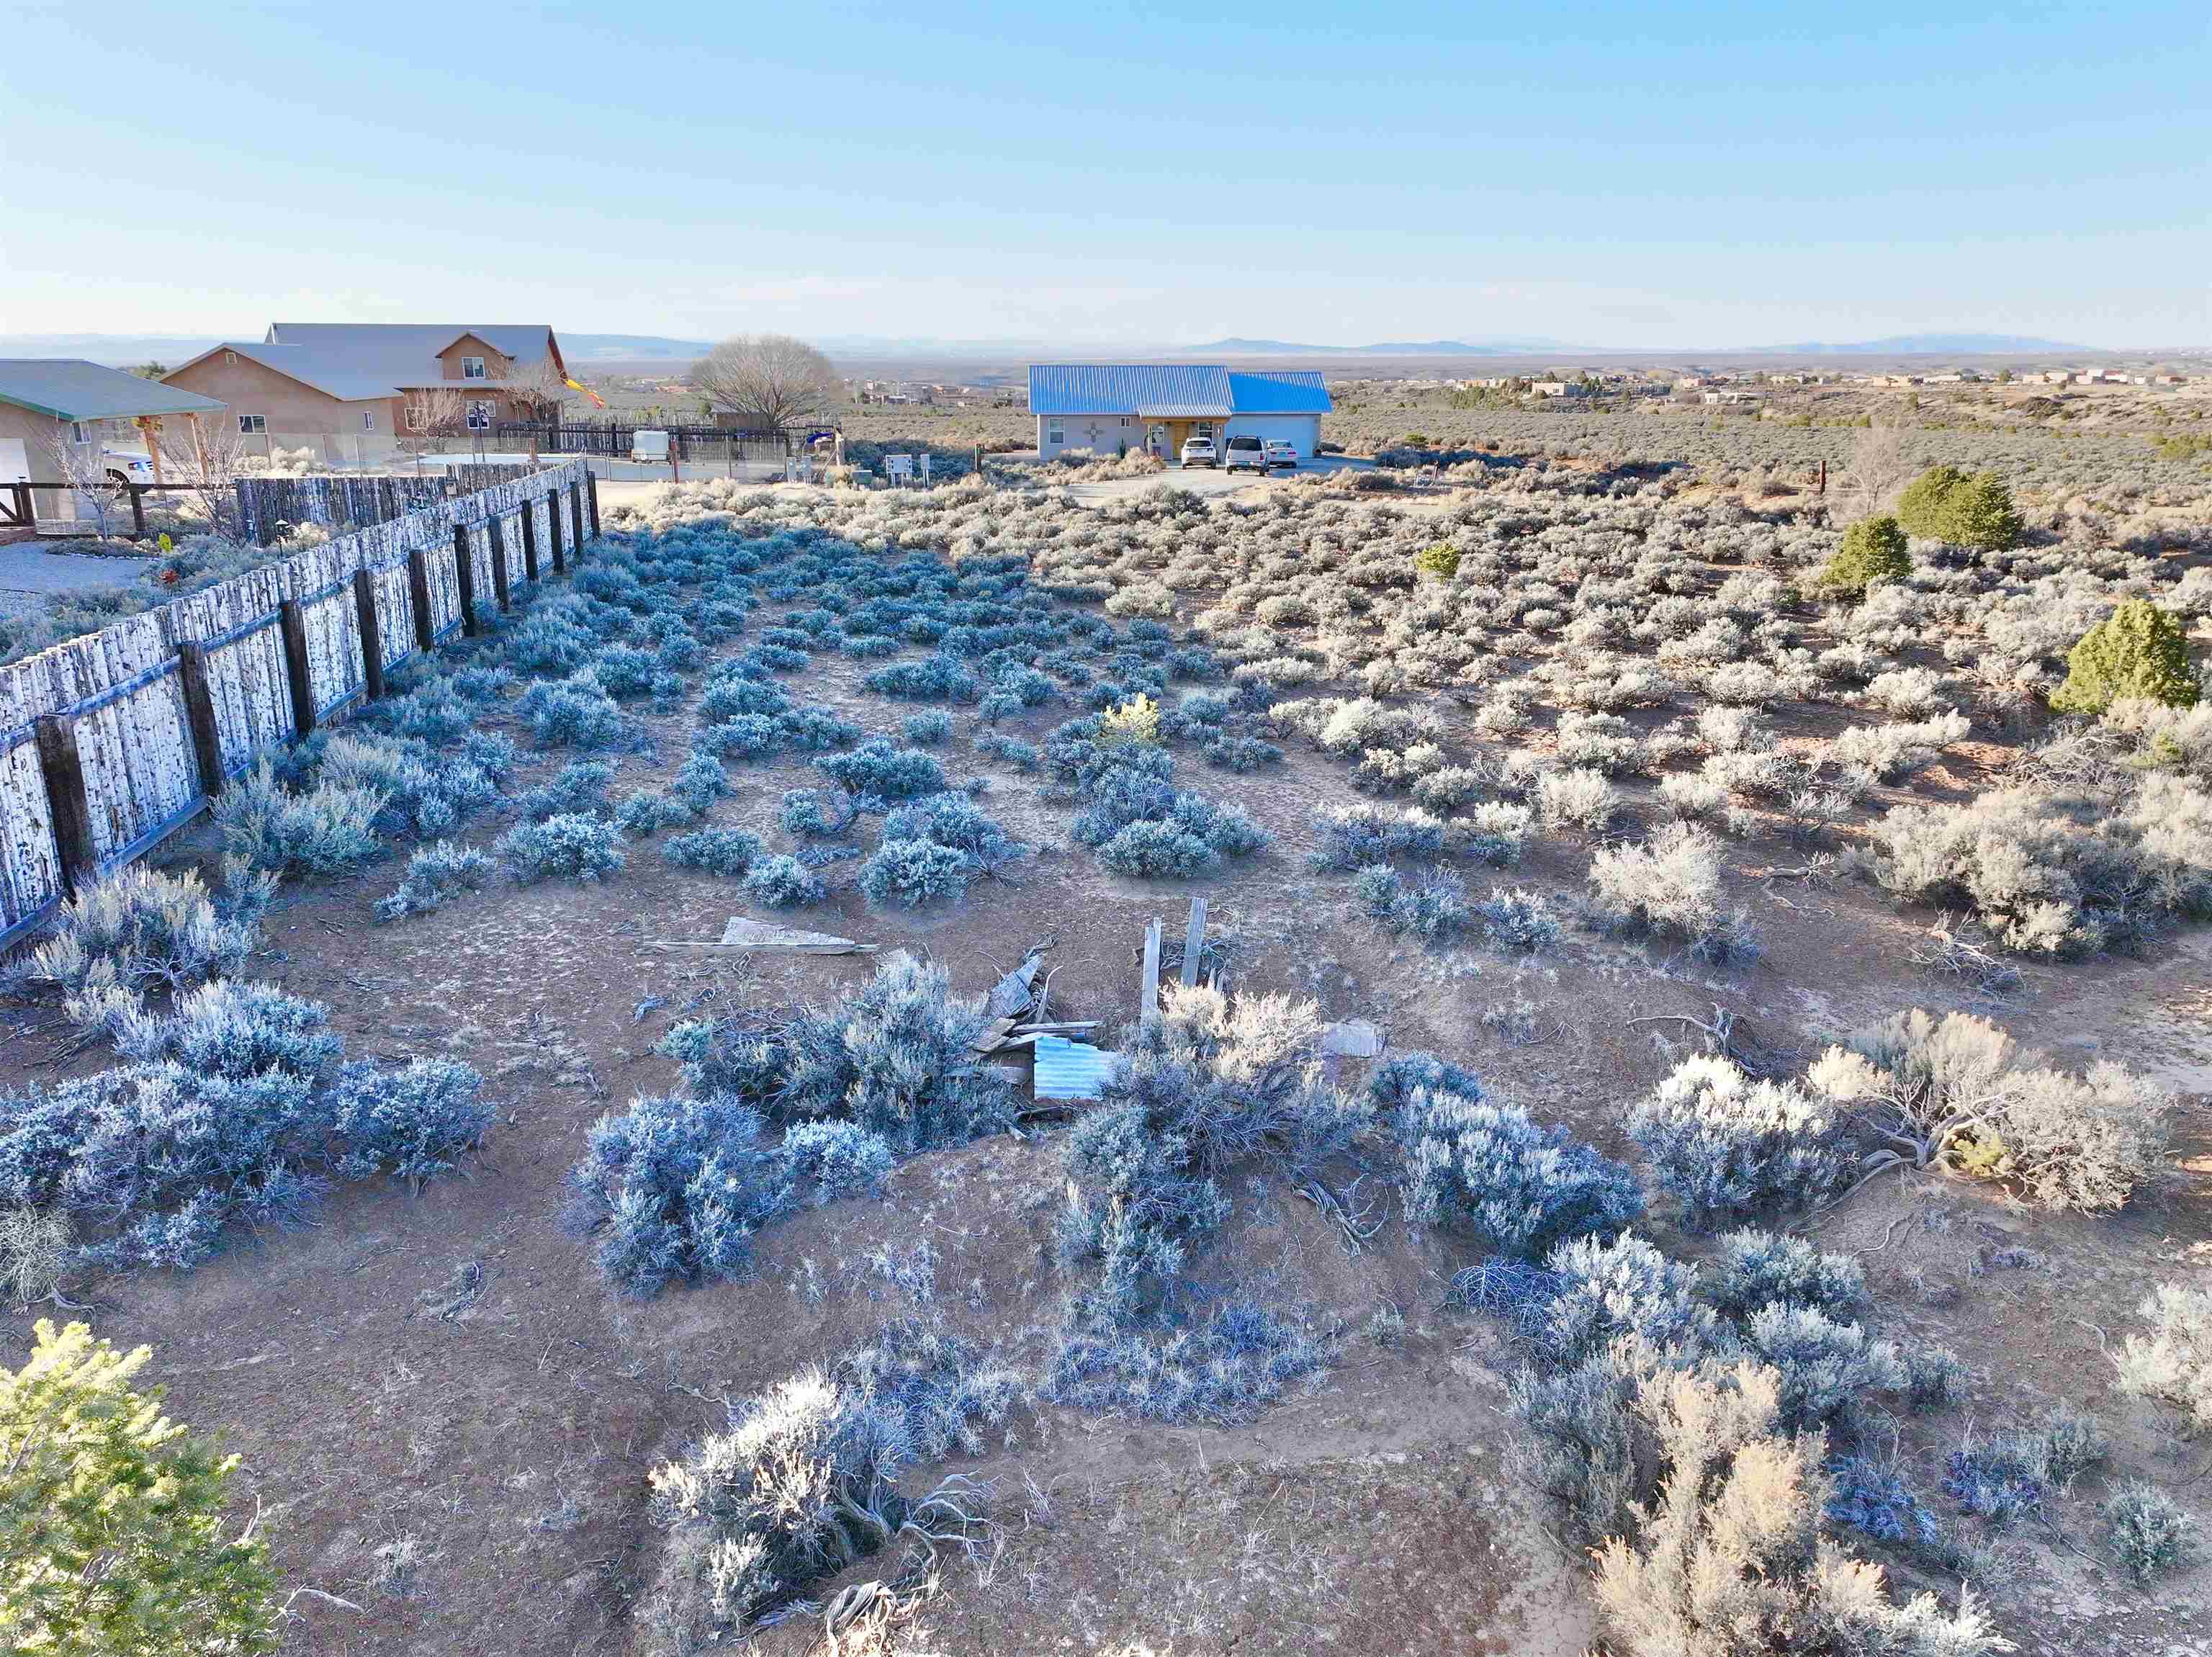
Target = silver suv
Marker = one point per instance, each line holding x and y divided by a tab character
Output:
1199	452
1246	453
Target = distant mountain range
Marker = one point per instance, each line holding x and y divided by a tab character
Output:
1924	344
1388	348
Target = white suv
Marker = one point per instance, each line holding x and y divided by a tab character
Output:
1282	454
1246	453
1199	452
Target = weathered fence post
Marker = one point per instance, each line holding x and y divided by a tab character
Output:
137	511
372	635
292	622
63	770
577	511
592	494
498	562
199	715
529	542
553	528
466	576
418	595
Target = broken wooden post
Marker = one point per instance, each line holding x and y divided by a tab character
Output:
299	673
66	800
465	576
498	562
553	529
371	636
418	597
199	715
576	513
1194	942
592	496
529	543
1148	1008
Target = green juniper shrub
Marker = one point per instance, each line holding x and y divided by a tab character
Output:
2139	651
115	1521
1874	549
1921	508
1440	562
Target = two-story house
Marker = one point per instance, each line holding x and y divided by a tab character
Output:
355	392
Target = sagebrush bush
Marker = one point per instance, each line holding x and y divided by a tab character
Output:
414	1123
1955	1094
572	713
1353	836
1671	886
803	1483
914	871
878	769
1223	1371
717	851
140	926
897	1058
330	830
1755	1268
2173	1360
1490	1168
781	881
570	843
674	1189
1730	1549
2150	1531
927	730
435	872
1725	1145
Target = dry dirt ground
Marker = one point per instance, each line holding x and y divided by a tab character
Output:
446	1419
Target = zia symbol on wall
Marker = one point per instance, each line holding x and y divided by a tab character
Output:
1091	432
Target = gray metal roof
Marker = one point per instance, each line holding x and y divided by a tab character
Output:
356	360
1171	390
71	388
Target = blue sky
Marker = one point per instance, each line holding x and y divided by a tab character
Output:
1647	175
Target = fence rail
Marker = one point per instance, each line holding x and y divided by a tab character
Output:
686	443
111	742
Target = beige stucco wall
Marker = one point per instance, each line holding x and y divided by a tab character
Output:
36	432
298	416
495	364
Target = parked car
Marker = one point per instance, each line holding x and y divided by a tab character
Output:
1246	453
1200	452
127	466
1282	455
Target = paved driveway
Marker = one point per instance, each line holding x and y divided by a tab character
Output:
25	567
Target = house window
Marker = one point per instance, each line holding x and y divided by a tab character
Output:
1205	428
414	415
472	367
1055	433
479	416
76	431
369	420
253	425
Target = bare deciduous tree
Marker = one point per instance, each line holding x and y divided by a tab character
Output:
84	469
207	457
1878	470
427	415
773	379
538	390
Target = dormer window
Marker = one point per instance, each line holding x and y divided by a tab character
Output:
472	367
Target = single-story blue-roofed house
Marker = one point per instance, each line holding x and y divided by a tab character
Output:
1110	408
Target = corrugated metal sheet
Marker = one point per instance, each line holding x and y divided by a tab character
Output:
69	388
1291	392
1071	1069
1169	390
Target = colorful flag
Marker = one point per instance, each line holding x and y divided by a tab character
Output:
575	386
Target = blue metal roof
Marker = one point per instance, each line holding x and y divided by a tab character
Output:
1174	391
1289	392
1171	390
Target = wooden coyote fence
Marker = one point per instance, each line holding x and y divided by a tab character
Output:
114	740
267	506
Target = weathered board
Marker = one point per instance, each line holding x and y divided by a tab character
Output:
124	694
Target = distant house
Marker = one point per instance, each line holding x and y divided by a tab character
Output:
1729	399
1555	387
66	421
353	392
1111	408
